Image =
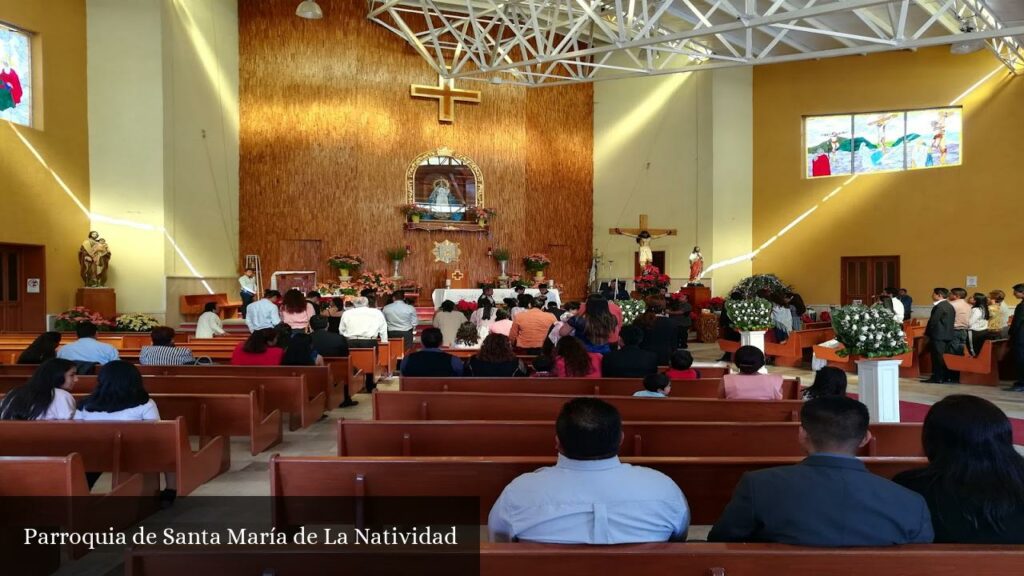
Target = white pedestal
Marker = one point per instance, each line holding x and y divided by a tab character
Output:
755	339
880	388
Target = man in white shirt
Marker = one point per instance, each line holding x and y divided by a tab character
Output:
265	313
589	497
401	319
362	326
87	349
247	288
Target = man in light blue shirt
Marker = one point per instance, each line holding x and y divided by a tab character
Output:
87	348
264	313
589	497
401	319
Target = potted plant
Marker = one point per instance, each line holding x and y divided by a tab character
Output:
466	307
414	212
346	264
502	255
396	255
536	264
70	319
480	214
752	318
136	322
873	339
651	281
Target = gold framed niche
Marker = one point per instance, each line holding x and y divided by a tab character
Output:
446	183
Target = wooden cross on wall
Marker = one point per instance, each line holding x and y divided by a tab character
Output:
446	95
643	226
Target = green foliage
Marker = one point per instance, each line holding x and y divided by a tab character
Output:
631	310
750	315
751	285
870	332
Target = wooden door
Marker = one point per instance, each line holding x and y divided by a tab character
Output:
864	277
10	289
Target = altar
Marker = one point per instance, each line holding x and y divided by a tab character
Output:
473	294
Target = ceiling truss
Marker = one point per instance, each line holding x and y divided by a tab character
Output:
555	42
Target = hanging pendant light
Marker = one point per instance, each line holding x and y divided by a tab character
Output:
309	10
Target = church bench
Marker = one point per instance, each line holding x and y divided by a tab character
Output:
704	388
52	491
791	352
909	368
677	559
473	406
455	438
365	360
122	448
982	370
191	305
707	483
329	379
290	394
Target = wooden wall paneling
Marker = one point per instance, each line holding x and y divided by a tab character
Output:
328	128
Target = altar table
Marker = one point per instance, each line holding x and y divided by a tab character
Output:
472	294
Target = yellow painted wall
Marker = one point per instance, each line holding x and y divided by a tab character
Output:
944	223
36	210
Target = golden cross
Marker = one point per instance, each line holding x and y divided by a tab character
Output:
446	95
643	226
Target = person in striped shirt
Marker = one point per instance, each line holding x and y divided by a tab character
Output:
163	352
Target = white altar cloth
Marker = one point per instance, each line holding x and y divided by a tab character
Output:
472	294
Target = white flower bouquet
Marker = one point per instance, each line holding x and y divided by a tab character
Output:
631	310
869	332
136	322
750	315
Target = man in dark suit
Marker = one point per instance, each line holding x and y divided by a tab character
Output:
330	344
908	303
1017	338
830	499
630	361
940	335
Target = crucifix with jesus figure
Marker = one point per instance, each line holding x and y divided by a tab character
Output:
644	235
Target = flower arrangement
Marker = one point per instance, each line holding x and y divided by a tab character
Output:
136	322
759	283
410	210
501	254
345	261
750	315
480	213
869	332
716	304
516	281
377	281
536	262
631	310
466	307
397	253
68	320
336	289
651	281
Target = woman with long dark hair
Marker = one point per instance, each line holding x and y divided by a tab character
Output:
467	336
119	395
333	312
46	395
483	316
43	348
661	333
296	310
977	331
300	352
259	350
572	359
829	381
974	481
496	359
594	325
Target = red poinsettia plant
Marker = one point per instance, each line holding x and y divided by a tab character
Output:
651	280
466	307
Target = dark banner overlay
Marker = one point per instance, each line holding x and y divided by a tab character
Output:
225	536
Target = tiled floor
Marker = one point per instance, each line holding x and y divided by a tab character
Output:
249	474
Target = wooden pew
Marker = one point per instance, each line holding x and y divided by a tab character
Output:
791	352
123	448
471	406
707	483
982	370
455	438
223	415
347	374
705	388
290	394
327	379
191	305
677	559
365	360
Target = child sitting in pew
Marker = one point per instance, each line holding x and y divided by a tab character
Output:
681	367
655	386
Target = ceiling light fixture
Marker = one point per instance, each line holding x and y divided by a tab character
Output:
968	47
309	10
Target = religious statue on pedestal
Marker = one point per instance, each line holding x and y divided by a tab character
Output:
94	260
443	198
696	265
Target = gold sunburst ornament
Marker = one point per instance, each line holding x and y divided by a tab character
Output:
447	252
